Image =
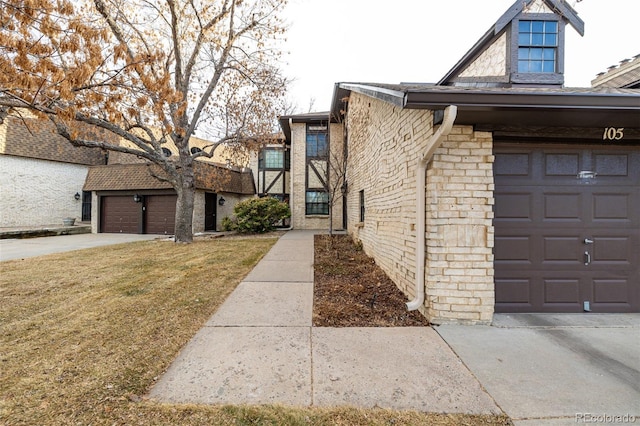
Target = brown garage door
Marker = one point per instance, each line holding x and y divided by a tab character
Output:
563	243
160	214
120	214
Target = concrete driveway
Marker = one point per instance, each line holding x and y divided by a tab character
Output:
556	369
32	247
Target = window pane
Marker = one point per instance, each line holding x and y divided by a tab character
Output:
549	54
523	53
317	202
550	27
273	159
537	26
535	66
525	26
535	54
523	66
524	39
537	39
550	40
549	66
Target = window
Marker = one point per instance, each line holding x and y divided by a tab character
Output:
195	150
273	159
537	46
316	144
317	202
362	205
166	152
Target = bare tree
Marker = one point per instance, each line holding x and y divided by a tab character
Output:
337	182
149	72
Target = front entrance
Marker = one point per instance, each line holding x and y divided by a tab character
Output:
210	203
567	228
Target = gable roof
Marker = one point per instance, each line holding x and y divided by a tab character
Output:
130	177
559	6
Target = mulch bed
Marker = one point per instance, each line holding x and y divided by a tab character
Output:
350	290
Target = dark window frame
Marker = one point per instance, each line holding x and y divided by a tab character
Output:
316	207
362	206
316	149
550	78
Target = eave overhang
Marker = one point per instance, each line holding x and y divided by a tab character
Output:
522	107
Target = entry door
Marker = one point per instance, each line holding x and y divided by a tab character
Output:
210	206
567	229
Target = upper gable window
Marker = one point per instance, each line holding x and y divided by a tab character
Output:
537	46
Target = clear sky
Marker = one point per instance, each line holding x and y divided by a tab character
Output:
393	41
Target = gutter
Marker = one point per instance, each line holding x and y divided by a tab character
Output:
433	143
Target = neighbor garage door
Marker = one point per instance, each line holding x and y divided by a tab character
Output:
120	214
160	214
567	239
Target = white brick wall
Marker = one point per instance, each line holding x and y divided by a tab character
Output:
385	143
39	192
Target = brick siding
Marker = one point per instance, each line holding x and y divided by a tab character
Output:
385	143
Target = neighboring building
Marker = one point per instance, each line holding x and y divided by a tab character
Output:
271	168
43	179
41	175
626	75
127	198
524	196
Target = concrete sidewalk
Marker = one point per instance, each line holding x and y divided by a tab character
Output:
260	348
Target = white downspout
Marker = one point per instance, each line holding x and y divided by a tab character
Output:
433	143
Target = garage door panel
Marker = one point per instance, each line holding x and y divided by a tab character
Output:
611	164
611	207
612	250
562	250
512	164
513	249
546	219
611	291
562	291
513	291
564	206
516	206
562	164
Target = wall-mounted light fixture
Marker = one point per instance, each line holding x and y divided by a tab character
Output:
137	198
77	196
221	201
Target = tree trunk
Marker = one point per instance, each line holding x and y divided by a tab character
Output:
184	211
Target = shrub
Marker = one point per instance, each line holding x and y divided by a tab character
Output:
256	215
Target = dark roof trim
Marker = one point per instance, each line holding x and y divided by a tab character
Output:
311	117
557	107
562	8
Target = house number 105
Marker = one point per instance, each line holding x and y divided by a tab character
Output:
613	134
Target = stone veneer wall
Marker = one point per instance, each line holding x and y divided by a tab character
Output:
384	145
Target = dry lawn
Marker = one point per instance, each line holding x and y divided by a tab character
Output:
83	336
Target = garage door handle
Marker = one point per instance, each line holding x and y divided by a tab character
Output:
588	241
587	258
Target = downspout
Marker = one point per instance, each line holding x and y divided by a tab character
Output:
433	143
